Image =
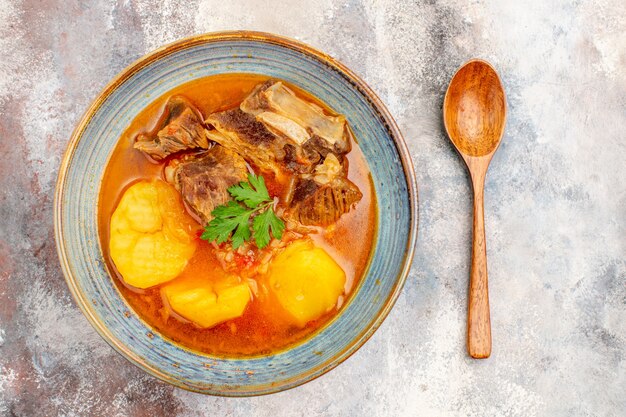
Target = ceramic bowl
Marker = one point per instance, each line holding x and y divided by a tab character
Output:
93	141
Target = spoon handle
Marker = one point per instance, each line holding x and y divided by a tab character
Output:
479	322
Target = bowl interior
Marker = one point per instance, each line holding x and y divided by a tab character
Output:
85	162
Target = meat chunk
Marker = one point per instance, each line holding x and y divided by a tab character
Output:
278	131
323	197
278	107
203	180
242	133
321	205
180	128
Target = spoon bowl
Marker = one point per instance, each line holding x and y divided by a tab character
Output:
474	113
475	109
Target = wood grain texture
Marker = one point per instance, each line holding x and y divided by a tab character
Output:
475	110
474	114
478	320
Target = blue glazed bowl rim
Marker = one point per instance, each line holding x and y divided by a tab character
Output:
262	37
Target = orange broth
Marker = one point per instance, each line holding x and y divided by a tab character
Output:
262	328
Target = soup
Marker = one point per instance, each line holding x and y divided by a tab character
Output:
237	215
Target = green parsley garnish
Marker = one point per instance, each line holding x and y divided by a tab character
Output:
232	220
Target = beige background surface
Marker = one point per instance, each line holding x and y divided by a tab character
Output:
555	206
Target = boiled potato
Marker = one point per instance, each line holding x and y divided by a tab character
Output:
204	302
152	238
306	281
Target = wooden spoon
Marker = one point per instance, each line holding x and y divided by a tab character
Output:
474	113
